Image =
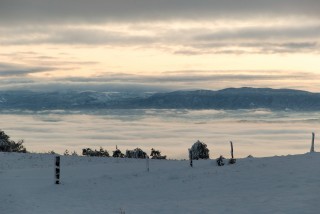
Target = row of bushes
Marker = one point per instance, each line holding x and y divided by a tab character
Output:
198	150
136	153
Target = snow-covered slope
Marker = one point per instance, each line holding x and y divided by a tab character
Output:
286	184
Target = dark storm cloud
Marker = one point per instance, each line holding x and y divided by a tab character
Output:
145	10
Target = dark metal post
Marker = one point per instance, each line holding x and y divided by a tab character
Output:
57	174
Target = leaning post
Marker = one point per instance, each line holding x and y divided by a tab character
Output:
232	160
231	144
57	174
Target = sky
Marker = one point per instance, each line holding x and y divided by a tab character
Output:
159	44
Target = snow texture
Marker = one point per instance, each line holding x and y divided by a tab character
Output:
286	184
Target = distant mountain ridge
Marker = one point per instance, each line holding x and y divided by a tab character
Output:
227	99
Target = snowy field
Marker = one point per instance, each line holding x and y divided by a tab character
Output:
281	184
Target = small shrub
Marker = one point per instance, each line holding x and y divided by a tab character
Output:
66	153
74	153
232	161
199	150
117	153
220	161
156	154
95	153
136	153
52	152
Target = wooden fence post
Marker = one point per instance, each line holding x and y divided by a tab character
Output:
57	174
312	143
147	163
232	160
190	157
231	149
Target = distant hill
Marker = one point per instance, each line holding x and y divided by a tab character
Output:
228	99
236	98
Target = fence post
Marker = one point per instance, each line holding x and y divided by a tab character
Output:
190	157
57	174
231	149
312	143
147	163
232	160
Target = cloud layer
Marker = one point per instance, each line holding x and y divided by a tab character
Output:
167	81
259	133
66	43
146	10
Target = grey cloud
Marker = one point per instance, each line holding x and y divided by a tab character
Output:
170	81
186	77
61	85
195	40
250	48
40	62
15	80
12	11
249	33
79	36
7	69
71	36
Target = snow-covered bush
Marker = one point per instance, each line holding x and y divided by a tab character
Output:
97	153
52	153
220	161
7	145
199	150
136	153
74	153
117	154
66	153
232	161
156	154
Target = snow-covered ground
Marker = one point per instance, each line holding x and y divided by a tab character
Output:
286	184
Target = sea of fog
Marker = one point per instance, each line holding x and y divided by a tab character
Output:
253	132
